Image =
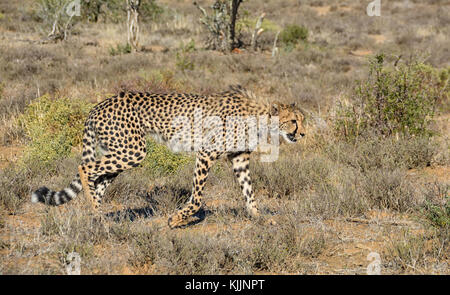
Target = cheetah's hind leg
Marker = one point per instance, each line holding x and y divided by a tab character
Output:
88	186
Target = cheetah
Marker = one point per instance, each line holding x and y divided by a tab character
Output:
118	126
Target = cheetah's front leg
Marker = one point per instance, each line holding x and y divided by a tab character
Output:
202	165
241	170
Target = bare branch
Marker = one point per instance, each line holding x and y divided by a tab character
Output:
258	31
275	48
133	23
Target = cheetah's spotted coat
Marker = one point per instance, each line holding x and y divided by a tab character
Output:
119	125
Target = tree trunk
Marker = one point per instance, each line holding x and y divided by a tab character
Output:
221	24
232	29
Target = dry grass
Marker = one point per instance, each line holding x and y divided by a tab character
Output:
326	203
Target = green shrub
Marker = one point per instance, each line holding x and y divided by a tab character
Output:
150	10
160	160
120	49
393	101
436	207
53	127
293	34
183	60
439	216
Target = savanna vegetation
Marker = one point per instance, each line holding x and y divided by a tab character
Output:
370	176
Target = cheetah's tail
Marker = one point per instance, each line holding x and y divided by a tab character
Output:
53	198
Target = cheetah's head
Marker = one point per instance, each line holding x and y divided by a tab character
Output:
291	121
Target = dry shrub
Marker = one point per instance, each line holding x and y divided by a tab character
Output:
75	225
75	230
340	178
258	248
159	81
287	177
183	253
391	190
16	186
384	153
18	182
424	253
137	188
